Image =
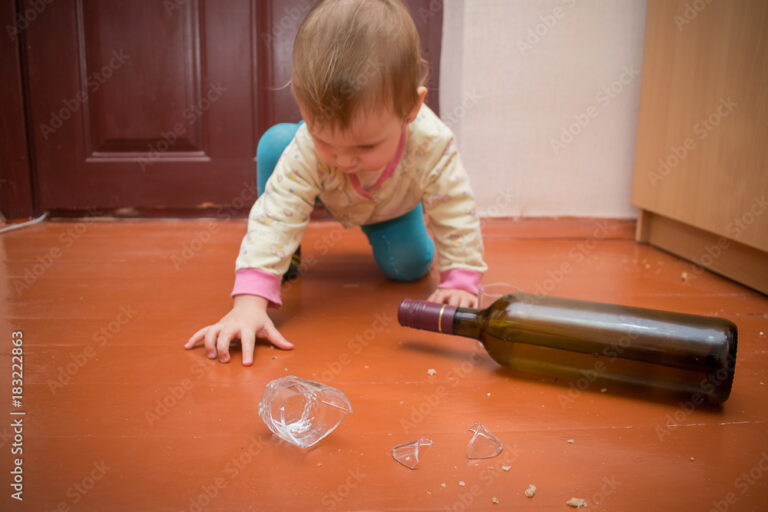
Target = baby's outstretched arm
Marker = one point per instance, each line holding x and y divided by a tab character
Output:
247	320
454	297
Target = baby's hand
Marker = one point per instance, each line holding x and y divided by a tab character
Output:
454	297
247	320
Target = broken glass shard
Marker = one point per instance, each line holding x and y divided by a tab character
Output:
408	454
301	411
483	444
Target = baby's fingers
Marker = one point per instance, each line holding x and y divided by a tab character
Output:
210	341
248	342
222	344
435	296
199	335
273	335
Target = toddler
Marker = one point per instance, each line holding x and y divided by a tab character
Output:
372	153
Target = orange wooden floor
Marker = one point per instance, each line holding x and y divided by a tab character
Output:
120	417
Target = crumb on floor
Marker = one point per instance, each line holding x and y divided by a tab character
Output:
576	502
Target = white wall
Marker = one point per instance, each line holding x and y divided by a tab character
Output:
543	98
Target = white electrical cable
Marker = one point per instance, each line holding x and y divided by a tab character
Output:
25	224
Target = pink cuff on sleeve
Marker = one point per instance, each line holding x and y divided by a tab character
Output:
252	281
461	279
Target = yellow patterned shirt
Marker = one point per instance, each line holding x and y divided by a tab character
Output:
428	171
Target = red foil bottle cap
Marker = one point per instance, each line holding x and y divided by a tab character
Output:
429	316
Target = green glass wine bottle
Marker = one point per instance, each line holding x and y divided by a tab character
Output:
591	342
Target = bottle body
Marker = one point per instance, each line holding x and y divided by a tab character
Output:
604	342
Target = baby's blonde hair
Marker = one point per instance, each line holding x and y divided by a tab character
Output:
355	55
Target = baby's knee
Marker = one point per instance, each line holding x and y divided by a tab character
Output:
411	263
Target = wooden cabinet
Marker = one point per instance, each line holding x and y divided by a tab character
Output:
701	163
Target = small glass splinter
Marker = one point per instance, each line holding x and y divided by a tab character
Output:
483	444
408	454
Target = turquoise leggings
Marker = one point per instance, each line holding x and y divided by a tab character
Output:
401	246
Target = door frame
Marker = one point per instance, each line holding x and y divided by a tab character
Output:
17	191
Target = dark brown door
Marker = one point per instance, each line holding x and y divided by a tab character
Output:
152	104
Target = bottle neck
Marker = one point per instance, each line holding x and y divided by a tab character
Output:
468	322
442	318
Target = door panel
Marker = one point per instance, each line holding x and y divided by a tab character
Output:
114	124
135	104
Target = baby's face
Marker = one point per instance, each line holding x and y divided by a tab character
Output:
367	145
